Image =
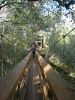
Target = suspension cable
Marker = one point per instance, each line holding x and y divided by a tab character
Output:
66	35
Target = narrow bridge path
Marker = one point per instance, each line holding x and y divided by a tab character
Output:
35	79
34	90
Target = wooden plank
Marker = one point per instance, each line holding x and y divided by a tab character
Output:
33	89
58	84
8	83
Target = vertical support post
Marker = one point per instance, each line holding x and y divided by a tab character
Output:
15	51
2	69
63	53
63	48
2	53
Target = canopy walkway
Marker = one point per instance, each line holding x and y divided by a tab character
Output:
34	79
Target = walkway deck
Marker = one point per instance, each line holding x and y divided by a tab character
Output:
34	79
33	90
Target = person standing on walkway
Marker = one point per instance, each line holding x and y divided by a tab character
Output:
33	51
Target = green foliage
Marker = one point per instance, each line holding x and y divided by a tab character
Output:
23	20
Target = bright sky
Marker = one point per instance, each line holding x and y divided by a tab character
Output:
51	6
3	13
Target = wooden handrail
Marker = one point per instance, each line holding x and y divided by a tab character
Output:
11	79
60	87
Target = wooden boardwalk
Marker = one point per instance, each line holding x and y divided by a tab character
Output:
33	90
34	79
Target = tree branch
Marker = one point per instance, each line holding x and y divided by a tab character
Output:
10	3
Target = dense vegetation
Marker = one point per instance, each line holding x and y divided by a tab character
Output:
20	23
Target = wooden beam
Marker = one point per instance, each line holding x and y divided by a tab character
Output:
61	89
8	83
